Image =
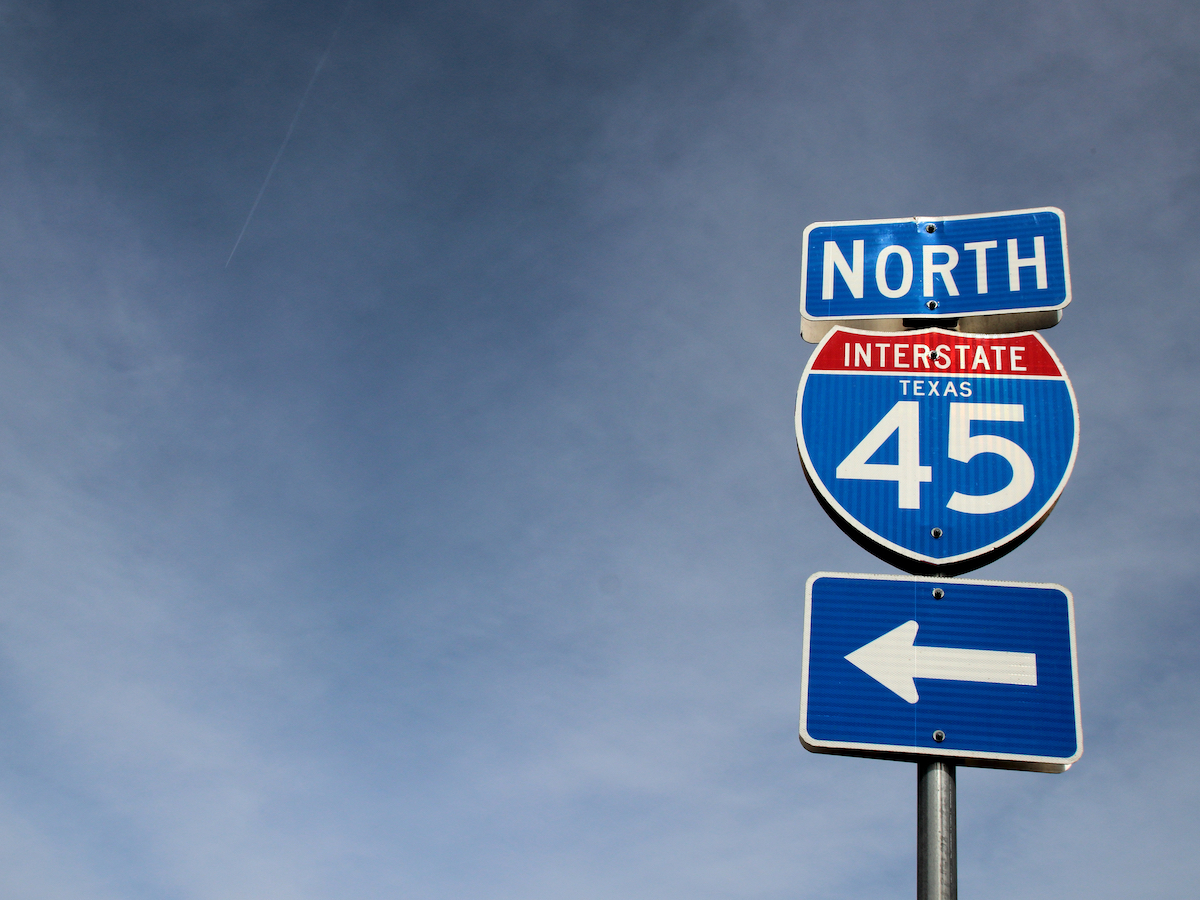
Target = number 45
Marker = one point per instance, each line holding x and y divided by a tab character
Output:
904	419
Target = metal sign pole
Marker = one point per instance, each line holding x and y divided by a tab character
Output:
937	838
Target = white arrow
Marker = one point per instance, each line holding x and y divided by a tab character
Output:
894	662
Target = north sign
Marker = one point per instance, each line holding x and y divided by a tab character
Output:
934	450
974	268
982	672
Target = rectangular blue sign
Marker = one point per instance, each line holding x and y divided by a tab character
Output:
990	264
980	672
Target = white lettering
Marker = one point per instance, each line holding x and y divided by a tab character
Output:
981	248
1038	261
863	352
942	361
903	420
898	356
964	388
933	388
948	390
918	389
965	446
980	357
920	355
942	269
882	355
962	355
999	351
852	275
904	387
881	271
1014	359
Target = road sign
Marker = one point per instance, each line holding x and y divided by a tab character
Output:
936	451
981	672
1010	265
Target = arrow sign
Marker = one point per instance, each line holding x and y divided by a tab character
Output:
995	661
894	662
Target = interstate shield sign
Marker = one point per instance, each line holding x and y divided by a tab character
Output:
936	451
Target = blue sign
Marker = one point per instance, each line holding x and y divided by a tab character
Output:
936	451
981	672
1005	262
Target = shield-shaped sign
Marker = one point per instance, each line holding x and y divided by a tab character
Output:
934	450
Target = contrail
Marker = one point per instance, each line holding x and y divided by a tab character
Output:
291	128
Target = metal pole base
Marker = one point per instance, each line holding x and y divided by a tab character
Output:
937	838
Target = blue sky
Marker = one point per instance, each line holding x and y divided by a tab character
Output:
451	540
